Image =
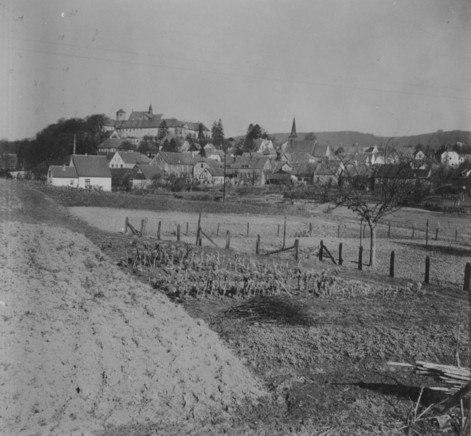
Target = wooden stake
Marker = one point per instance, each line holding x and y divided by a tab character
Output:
158	230
187	229
228	240
413	231
360	258
391	265
278	232
126	226
217	232
310	229
427	270
340	254
248	226
178	232
257	246
284	233
198	230
321	251
467	277
338	231
389	230
296	249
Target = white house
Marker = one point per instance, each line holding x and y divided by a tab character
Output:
128	159
62	175
92	171
83	171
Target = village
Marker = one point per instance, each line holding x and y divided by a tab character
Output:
189	155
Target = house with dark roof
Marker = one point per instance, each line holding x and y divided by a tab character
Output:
143	176
128	159
249	170
208	171
327	172
62	175
83	171
92	171
178	164
112	145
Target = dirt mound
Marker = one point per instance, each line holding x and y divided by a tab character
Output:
85	346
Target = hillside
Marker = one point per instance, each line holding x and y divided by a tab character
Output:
347	138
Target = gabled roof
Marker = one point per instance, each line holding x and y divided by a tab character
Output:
328	168
133	157
303	168
305	146
244	162
138	124
321	150
111	143
63	172
177	158
90	166
144	115
146	172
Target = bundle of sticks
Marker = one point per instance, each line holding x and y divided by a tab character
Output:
455	377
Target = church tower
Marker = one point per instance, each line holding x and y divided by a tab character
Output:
293	136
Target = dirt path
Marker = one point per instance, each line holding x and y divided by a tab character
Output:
85	346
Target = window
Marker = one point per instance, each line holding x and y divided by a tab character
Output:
71	183
87	182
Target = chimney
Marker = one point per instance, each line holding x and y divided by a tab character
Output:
75	145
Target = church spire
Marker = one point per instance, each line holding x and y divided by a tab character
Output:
293	135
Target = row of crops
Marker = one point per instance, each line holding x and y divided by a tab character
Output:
182	270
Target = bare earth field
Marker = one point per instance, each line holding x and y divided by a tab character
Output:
92	348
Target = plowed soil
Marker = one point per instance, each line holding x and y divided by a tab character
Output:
87	346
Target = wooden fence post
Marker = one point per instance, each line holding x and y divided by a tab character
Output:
187	229
228	240
321	251
158	230
248	225
296	249
284	233
310	228
360	258
126	226
198	231
391	265
436	234
389	229
278	233
427	270
456	235
338	231
467	277
340	254
413	231
143	226
257	246
426	235
178	232
217	233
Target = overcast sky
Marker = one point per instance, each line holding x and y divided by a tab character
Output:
376	66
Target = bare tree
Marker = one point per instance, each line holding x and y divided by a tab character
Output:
373	192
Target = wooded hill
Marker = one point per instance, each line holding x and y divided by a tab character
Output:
347	139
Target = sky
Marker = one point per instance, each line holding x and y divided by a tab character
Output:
387	67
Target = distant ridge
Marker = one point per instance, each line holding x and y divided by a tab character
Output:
347	139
